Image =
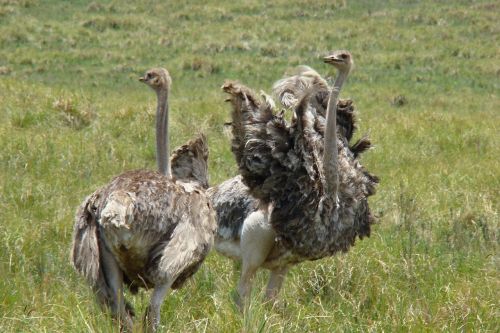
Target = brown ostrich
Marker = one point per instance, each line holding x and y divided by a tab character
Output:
147	228
311	189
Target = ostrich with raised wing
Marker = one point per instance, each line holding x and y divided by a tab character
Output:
311	189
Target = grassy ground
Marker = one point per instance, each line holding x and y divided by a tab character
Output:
426	83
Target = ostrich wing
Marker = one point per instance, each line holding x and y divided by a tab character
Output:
261	141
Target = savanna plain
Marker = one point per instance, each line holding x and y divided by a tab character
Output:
426	82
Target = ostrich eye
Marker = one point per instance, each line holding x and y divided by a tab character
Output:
343	56
149	76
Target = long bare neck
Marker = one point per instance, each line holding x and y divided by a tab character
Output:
162	152
330	156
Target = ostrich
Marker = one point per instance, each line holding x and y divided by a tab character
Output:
233	202
147	228
307	209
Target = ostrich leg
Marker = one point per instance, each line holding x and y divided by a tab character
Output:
257	240
276	279
114	280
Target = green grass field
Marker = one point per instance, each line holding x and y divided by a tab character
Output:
426	83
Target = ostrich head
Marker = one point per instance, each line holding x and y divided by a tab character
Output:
342	60
157	79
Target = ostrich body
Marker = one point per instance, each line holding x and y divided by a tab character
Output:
147	228
310	205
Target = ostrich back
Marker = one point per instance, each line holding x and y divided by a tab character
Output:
282	164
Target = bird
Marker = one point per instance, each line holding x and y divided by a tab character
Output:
147	228
233	202
307	207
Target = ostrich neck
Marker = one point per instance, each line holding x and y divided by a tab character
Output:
162	152
330	156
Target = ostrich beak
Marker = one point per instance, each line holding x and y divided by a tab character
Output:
331	59
142	78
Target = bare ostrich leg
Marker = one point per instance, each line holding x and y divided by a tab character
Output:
276	279
152	315
257	240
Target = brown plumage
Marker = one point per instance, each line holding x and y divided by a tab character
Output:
315	209
147	228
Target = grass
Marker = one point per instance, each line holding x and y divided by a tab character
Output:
426	83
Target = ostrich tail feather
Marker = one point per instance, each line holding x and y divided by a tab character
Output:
189	162
85	254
